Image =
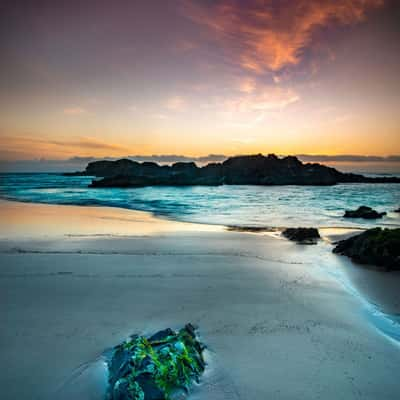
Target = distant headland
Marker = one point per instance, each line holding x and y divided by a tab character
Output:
240	170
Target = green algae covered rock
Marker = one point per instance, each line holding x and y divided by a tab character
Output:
378	247
161	367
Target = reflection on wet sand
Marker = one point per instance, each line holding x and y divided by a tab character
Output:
25	220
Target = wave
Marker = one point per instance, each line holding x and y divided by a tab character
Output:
254	207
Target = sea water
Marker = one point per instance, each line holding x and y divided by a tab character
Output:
241	205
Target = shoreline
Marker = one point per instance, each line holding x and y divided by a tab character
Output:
25	220
264	305
330	233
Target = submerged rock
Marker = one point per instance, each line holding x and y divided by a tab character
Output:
363	212
302	235
161	367
379	247
398	210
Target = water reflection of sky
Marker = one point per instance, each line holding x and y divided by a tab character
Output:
20	220
274	206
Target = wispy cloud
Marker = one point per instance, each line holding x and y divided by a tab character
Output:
249	108
185	45
247	85
175	103
92	143
269	35
37	145
271	98
74	110
246	123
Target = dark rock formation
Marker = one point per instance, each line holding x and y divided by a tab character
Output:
302	235
240	170
363	212
398	210
379	247
160	367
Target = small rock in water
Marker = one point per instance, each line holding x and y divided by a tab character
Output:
363	212
302	235
398	210
161	367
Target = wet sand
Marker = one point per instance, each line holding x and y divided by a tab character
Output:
278	322
378	287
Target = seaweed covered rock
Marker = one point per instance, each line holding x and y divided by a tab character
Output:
161	367
363	212
302	235
379	247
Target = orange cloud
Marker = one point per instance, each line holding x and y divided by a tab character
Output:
263	35
38	147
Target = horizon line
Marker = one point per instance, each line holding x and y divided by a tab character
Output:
210	157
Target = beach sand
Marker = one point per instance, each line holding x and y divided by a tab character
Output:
279	319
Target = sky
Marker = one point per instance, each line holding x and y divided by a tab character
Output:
198	77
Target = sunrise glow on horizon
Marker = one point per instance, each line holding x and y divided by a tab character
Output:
194	77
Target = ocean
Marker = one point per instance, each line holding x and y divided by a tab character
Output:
242	206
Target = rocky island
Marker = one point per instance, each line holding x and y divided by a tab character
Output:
239	170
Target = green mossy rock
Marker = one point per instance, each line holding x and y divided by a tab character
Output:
160	367
379	247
